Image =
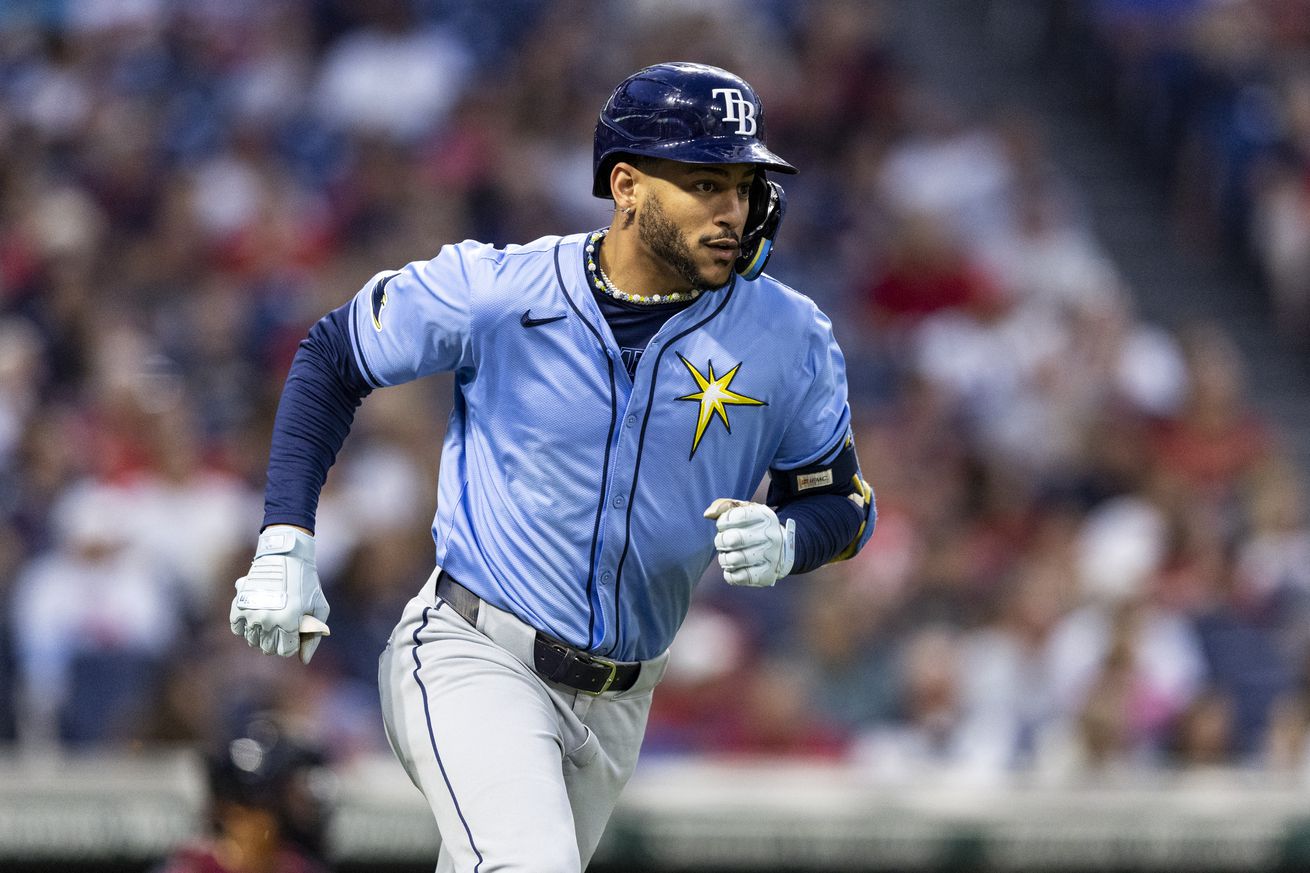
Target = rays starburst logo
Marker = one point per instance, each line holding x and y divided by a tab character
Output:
714	398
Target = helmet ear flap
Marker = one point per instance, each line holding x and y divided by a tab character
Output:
768	204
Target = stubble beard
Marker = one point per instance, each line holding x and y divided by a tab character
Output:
666	242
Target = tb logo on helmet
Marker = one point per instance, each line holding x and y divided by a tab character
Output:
733	100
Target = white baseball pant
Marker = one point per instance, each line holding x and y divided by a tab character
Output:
521	774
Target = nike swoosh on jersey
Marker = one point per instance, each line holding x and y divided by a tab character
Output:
378	300
528	321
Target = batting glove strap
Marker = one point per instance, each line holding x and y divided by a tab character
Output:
788	558
283	539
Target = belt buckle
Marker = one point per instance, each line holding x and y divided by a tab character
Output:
609	680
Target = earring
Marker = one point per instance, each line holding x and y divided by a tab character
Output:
627	210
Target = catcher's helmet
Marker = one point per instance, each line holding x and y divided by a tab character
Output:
265	767
693	113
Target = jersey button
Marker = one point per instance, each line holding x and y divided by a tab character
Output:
607	577
618	501
632	420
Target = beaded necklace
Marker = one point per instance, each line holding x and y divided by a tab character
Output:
606	286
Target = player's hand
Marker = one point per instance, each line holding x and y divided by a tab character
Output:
279	606
754	547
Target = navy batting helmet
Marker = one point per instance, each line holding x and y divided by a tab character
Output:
693	113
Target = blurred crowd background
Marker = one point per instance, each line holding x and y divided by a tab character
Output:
1092	550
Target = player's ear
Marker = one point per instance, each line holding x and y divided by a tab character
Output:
623	184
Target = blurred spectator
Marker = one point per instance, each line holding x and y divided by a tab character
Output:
21	374
1010	703
92	621
1125	664
1272	571
849	645
1287	747
927	272
1203	735
948	170
178	483
1281	226
923	738
708	661
774	716
1048	261
1216	440
371	589
392	74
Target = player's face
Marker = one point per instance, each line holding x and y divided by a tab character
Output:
691	217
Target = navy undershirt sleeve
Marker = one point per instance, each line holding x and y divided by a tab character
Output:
322	392
825	525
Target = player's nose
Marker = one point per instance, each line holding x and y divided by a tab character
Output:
732	213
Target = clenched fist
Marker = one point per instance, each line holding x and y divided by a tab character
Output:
754	547
279	605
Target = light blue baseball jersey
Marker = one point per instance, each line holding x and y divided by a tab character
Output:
571	494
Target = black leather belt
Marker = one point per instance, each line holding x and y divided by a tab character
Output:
552	659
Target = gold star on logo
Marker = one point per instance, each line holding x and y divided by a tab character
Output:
714	397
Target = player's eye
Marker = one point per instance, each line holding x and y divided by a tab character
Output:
744	190
705	186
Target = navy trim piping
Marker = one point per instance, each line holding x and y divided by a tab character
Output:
427	715
641	444
609	442
359	349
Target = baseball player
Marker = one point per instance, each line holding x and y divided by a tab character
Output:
619	396
268	806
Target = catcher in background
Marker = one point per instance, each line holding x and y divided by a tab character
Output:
268	807
620	395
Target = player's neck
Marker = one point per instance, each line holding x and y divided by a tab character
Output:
632	267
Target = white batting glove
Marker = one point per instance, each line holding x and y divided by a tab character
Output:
279	606
754	547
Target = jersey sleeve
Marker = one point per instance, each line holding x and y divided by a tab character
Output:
416	321
822	421
818	445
